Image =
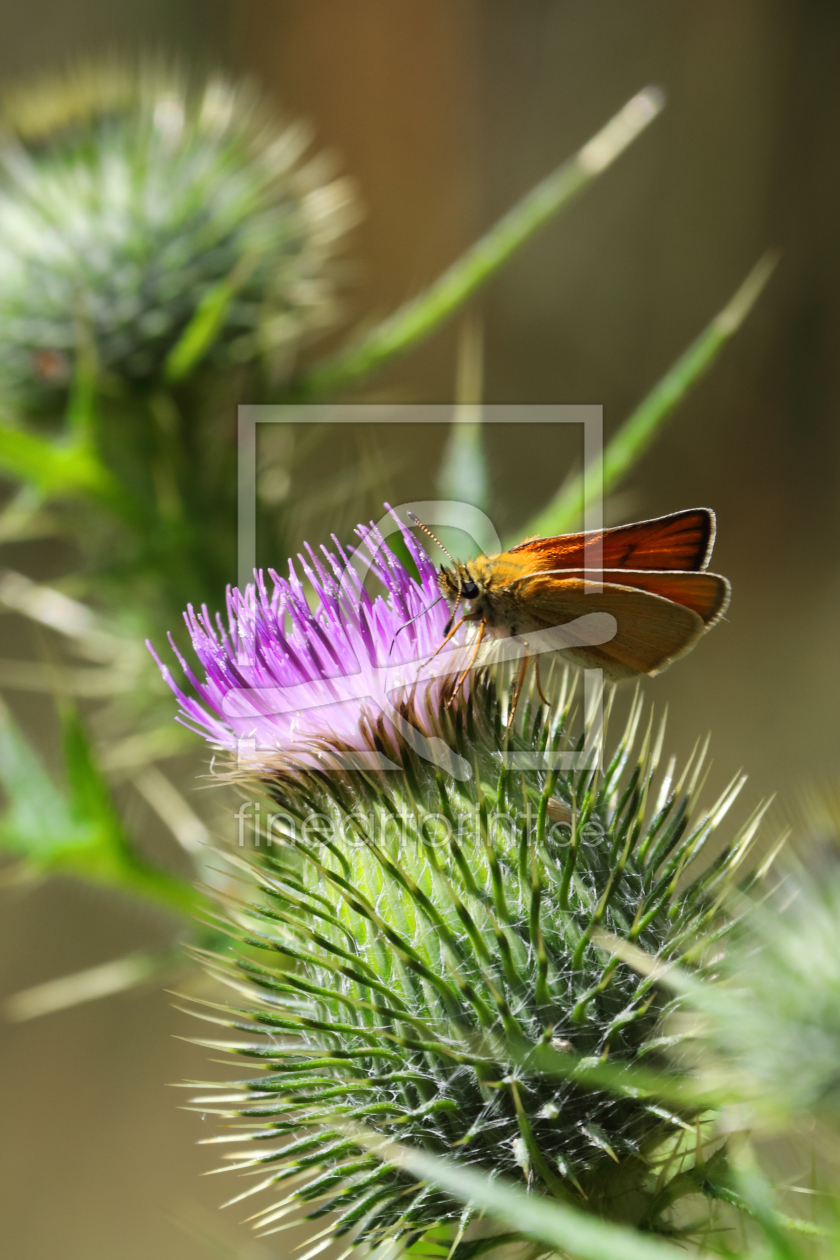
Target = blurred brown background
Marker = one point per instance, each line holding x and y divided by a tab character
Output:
446	111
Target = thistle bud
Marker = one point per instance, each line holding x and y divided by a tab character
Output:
421	947
135	206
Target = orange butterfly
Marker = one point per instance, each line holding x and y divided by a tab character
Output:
651	577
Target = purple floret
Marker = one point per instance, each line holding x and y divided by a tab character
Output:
285	674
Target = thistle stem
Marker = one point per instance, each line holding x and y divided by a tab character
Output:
421	316
627	446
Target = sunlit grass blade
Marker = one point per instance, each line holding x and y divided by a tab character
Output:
632	440
416	319
101	981
464	476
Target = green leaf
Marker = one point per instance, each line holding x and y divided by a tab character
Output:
111	858
38	823
634	437
204	327
79	831
417	319
81	408
52	467
90	798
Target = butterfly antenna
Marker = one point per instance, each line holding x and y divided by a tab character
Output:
405	624
416	521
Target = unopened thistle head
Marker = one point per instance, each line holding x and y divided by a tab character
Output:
131	202
419	949
768	1033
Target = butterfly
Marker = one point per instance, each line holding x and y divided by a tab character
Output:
651	577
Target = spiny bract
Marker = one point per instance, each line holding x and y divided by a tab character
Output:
421	956
134	205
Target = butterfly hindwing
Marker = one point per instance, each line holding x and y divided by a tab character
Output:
651	631
705	593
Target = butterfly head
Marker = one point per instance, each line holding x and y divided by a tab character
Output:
459	584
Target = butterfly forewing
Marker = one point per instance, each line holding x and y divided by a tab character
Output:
682	541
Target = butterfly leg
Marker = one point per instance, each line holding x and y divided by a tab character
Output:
482	627
540	692
520	678
445	640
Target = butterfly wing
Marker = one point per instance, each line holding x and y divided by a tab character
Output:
681	541
707	594
651	631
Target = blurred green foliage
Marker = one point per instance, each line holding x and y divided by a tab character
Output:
167	250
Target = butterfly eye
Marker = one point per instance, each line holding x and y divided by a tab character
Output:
469	590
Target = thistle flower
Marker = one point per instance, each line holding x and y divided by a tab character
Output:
134	206
285	685
419	950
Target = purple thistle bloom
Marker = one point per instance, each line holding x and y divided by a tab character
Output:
283	680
